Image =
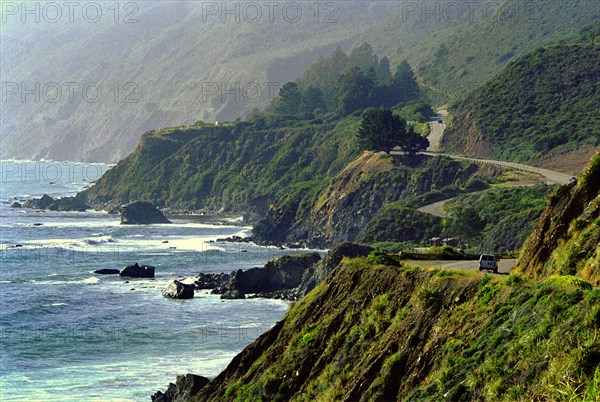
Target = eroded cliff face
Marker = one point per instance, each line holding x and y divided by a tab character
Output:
566	239
462	137
368	183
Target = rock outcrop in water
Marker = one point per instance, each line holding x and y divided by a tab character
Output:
107	271
141	213
211	281
233	295
184	388
56	204
279	274
288	277
138	271
179	290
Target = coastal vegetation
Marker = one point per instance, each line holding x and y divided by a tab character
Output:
543	104
378	329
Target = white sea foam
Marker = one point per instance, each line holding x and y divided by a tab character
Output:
87	281
54	305
99	240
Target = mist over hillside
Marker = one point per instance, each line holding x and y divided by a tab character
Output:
85	82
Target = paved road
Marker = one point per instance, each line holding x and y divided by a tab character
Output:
504	266
550	176
436	130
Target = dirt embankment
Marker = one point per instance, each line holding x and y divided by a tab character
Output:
566	238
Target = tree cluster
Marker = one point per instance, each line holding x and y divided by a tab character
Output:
381	130
346	83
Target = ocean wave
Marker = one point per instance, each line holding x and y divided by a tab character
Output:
99	240
87	281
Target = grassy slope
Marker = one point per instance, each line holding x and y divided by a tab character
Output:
174	48
566	239
542	104
234	165
373	332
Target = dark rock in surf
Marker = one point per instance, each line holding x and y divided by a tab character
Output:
107	271
233	294
39	203
211	281
141	213
278	274
182	391
138	271
179	290
16	205
68	204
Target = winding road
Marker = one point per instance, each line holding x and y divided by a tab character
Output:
504	266
436	132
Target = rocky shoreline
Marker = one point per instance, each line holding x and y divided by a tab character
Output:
289	277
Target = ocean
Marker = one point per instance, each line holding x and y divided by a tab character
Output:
67	334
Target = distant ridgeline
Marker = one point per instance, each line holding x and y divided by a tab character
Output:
543	105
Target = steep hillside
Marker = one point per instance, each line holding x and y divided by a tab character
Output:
238	166
542	105
166	63
398	333
377	329
566	240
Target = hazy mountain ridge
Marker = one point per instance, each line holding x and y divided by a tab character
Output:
175	51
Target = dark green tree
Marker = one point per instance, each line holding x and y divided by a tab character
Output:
288	101
414	142
404	86
384	74
381	130
354	91
324	73
312	99
363	57
468	225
